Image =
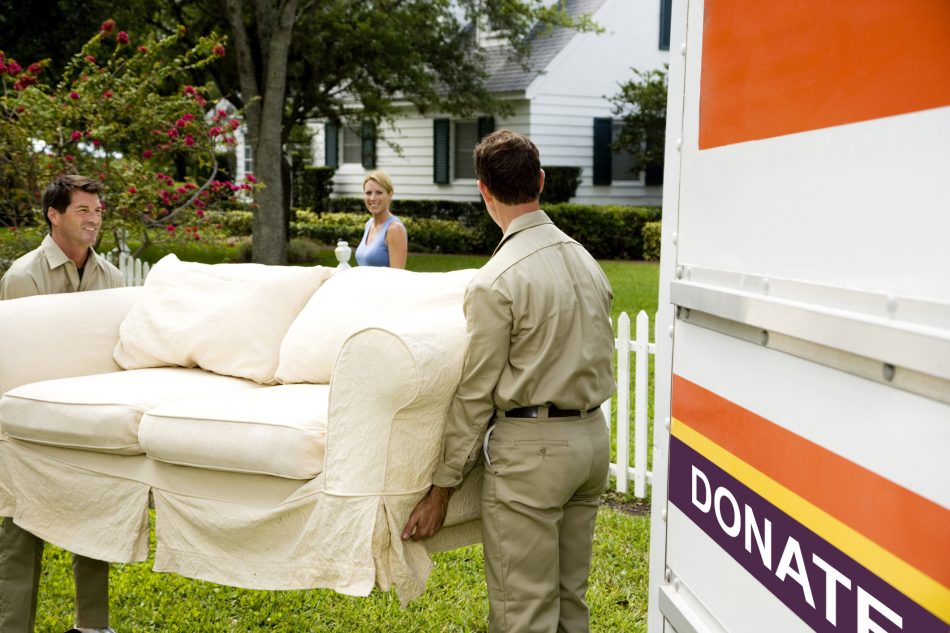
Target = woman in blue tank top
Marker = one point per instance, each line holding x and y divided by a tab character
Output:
385	241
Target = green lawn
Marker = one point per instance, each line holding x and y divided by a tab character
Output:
456	598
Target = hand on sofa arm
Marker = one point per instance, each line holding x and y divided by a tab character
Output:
428	515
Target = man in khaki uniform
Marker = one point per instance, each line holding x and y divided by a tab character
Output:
64	262
538	368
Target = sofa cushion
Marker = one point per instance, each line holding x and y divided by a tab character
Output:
226	318
101	412
271	431
358	298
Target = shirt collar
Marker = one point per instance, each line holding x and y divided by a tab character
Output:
55	256
522	222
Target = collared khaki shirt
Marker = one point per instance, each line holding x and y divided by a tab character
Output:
47	270
538	317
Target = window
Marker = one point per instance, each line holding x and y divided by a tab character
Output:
368	148
623	166
666	18
611	164
248	157
357	147
352	146
466	137
452	153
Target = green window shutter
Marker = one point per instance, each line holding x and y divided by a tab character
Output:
331	146
440	151
368	134
666	19
603	161
486	125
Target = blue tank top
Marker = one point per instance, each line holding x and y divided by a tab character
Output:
377	253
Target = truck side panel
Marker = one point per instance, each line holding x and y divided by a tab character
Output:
803	366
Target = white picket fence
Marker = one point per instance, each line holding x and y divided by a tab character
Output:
641	348
133	269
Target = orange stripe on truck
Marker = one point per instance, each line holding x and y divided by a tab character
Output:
908	525
772	68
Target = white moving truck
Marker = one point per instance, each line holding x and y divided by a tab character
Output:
802	445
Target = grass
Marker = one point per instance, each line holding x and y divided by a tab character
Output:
456	598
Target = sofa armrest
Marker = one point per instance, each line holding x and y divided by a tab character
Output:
62	335
389	395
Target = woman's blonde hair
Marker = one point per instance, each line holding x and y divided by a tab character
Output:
381	178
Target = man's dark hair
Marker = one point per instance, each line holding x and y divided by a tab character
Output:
510	166
59	193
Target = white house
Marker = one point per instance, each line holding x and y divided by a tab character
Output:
562	104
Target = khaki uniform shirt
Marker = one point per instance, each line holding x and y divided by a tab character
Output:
538	317
47	270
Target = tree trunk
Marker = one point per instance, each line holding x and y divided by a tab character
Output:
269	229
264	115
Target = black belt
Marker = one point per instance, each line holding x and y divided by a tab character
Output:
553	412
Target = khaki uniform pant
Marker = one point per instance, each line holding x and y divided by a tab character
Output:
21	555
540	497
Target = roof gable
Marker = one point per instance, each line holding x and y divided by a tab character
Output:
508	76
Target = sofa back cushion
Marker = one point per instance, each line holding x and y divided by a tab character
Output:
226	318
358	298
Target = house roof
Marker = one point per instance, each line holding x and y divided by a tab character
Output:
508	76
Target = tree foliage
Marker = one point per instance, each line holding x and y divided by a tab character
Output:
641	104
50	29
354	60
359	60
119	112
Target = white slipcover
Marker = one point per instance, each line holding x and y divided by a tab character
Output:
101	412
391	380
226	318
278	431
365	297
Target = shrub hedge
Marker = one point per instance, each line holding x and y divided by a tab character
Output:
313	188
470	216
608	232
560	183
235	223
651	241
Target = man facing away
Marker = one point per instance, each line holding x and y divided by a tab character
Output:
64	262
537	369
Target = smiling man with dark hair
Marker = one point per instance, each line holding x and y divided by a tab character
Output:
64	262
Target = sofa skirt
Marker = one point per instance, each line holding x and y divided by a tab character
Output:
251	531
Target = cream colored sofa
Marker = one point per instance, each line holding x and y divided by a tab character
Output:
282	421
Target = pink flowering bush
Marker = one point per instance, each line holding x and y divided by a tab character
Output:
124	112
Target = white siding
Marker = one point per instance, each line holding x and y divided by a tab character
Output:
412	168
563	129
577	86
594	64
558	114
